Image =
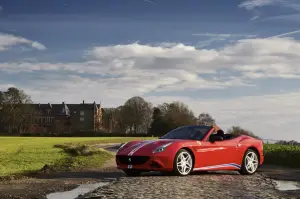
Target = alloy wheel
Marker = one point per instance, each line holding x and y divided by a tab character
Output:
184	162
251	162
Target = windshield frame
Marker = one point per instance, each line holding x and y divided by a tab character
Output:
188	129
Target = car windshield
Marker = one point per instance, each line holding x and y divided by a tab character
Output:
188	133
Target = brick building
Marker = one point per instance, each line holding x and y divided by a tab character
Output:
67	117
62	118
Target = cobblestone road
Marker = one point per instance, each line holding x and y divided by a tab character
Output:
211	185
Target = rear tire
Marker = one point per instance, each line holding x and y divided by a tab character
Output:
132	173
250	163
183	163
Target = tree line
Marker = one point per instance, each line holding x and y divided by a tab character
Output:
135	117
138	116
292	142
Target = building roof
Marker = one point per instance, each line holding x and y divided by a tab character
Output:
66	109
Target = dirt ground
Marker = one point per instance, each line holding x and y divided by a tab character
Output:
39	186
280	173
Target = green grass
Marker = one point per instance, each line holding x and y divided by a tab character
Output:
21	155
283	155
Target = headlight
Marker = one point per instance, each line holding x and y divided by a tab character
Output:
161	148
122	145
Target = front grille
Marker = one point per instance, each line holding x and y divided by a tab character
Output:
133	160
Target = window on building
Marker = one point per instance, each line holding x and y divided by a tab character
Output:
81	113
81	119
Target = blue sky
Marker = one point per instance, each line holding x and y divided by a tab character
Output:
237	60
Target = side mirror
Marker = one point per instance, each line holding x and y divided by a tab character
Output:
214	138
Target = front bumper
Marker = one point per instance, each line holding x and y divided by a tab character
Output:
155	162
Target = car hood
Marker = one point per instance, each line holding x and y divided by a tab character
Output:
144	147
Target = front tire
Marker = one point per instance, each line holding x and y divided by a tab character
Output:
183	163
250	162
132	173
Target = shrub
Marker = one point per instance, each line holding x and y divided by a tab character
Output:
78	150
284	155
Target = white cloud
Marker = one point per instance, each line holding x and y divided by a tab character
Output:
180	67
6	86
223	35
288	33
7	41
254	18
270	57
293	5
289	17
148	1
38	46
251	4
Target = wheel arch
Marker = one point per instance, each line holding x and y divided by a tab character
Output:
256	150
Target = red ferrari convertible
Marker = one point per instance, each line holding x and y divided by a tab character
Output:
192	148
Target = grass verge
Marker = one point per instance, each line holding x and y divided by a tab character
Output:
80	156
22	155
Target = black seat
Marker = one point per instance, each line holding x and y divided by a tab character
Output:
221	134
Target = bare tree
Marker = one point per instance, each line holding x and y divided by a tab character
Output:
175	114
118	121
137	115
206	119
237	130
111	120
16	111
1	99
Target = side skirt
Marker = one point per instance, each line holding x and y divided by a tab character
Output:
220	166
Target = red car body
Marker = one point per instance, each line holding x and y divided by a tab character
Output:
227	154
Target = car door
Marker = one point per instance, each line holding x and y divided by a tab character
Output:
225	152
211	154
216	154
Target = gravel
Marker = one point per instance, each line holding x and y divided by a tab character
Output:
210	185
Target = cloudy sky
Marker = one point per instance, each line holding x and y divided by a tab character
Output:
238	60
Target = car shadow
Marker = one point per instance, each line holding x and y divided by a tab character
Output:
104	175
196	173
215	173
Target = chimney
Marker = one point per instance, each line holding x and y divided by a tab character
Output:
83	102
